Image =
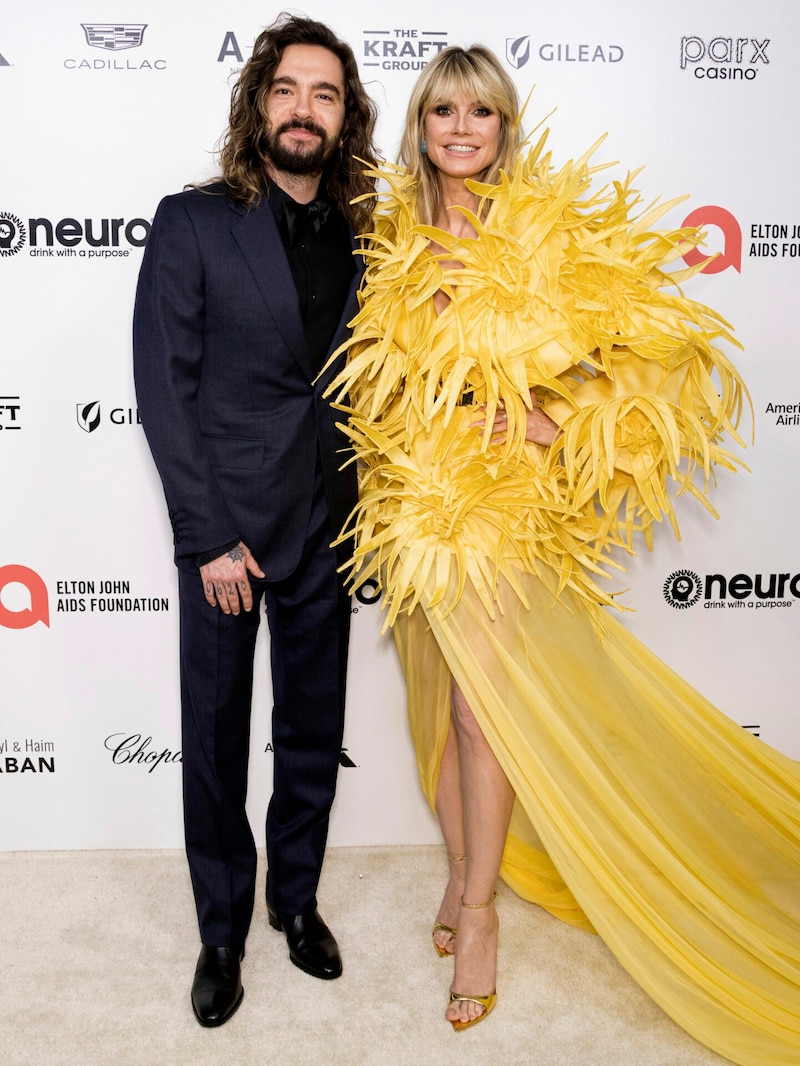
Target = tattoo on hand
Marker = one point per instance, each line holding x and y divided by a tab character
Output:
236	554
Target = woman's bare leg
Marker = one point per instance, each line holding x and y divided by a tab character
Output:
487	799
451	819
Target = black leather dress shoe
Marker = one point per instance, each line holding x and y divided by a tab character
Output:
312	946
217	987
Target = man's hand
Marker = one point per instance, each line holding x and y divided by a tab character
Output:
225	580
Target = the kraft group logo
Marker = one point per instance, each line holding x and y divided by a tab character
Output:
10	407
519	51
113	37
722	219
682	589
724	58
403	48
23	598
12	233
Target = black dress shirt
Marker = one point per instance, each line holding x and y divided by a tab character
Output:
318	247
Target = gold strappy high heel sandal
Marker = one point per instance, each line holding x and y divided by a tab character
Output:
439	926
487	1002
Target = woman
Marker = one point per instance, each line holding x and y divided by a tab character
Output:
524	380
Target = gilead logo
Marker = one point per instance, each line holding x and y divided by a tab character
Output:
39	609
731	255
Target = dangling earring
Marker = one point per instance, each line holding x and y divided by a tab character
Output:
423	146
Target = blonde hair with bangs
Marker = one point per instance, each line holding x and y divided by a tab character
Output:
477	73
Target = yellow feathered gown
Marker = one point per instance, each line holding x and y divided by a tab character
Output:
642	812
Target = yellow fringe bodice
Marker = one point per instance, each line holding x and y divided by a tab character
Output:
565	292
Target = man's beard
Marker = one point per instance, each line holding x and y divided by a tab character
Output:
300	157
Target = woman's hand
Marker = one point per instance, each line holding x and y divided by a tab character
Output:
539	429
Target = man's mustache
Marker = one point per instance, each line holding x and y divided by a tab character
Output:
298	124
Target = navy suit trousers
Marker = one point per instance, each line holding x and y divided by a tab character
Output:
309	618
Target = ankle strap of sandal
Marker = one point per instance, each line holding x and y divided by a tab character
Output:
478	906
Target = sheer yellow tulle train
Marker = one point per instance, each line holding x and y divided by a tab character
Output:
675	830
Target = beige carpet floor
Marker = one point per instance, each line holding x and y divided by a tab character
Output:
99	948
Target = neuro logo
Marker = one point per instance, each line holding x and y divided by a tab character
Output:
12	234
39	609
88	415
518	51
682	589
731	255
113	37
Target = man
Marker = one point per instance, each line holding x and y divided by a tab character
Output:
246	288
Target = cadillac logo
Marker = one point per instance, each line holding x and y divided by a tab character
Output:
113	37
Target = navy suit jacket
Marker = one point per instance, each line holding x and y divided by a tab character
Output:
225	388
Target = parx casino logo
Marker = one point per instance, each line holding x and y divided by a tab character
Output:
682	589
12	234
724	58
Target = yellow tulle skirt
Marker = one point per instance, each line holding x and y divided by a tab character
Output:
641	810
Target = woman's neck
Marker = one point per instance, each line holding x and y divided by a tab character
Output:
454	193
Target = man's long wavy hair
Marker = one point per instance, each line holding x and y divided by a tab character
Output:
244	155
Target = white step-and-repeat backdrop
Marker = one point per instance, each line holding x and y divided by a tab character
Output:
99	120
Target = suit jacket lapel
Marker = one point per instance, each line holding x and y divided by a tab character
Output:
259	242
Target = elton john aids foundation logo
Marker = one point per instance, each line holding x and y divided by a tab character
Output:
23	598
727	224
682	589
